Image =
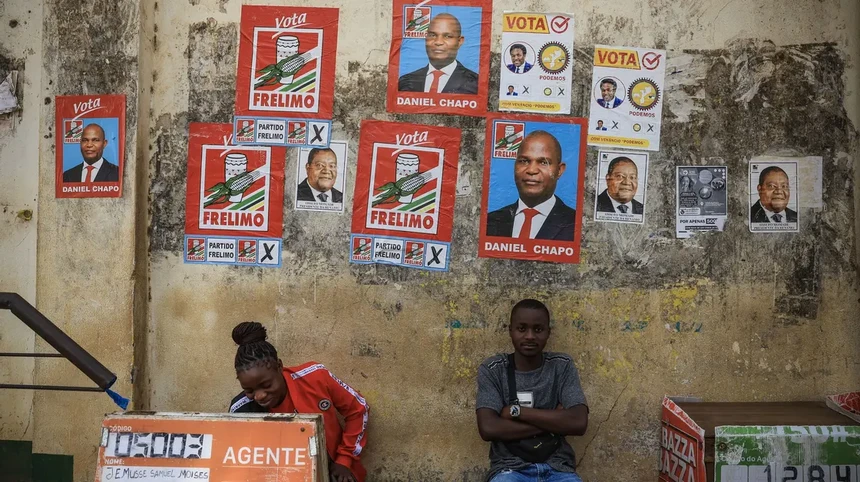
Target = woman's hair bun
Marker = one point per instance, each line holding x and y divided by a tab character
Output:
249	332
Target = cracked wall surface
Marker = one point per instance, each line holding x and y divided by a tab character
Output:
85	266
727	317
19	143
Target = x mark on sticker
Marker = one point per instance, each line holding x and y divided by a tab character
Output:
650	127
268	255
318	131
560	91
525	89
614	125
435	255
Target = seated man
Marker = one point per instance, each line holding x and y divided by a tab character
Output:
547	404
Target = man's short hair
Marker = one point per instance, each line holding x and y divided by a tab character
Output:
451	17
609	81
100	128
518	46
555	142
767	171
619	160
530	304
317	150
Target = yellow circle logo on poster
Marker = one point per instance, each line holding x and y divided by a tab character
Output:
554	58
644	94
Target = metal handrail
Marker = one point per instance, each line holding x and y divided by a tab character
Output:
61	342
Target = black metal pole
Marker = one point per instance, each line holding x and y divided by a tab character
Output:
51	387
32	355
55	337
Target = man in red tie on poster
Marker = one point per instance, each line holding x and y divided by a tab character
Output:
444	74
538	213
95	168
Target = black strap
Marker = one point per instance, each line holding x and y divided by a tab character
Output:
512	381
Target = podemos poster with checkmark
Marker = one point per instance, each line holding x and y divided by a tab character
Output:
537	62
627	97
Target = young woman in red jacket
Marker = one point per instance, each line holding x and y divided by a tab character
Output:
269	386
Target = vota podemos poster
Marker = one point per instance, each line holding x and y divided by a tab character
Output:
627	97
533	188
234	203
440	57
285	76
403	203
537	62
90	145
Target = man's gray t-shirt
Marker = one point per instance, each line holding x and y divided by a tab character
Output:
555	383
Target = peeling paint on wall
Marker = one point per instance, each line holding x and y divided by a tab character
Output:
643	315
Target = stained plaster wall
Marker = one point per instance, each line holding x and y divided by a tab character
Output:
20	23
724	317
86	270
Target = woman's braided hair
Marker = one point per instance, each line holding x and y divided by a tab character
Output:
253	350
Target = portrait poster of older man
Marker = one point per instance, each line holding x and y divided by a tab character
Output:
773	206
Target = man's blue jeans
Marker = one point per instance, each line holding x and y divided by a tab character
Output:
535	473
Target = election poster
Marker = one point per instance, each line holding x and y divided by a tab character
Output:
90	145
537	62
234	201
701	201
533	188
622	178
847	404
439	61
787	453
285	75
682	446
403	202
773	208
627	89
322	177
195	447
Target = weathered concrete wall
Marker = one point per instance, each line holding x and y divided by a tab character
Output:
20	23
726	317
86	265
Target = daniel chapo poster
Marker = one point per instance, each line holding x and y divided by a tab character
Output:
440	57
234	201
533	188
90	145
403	204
